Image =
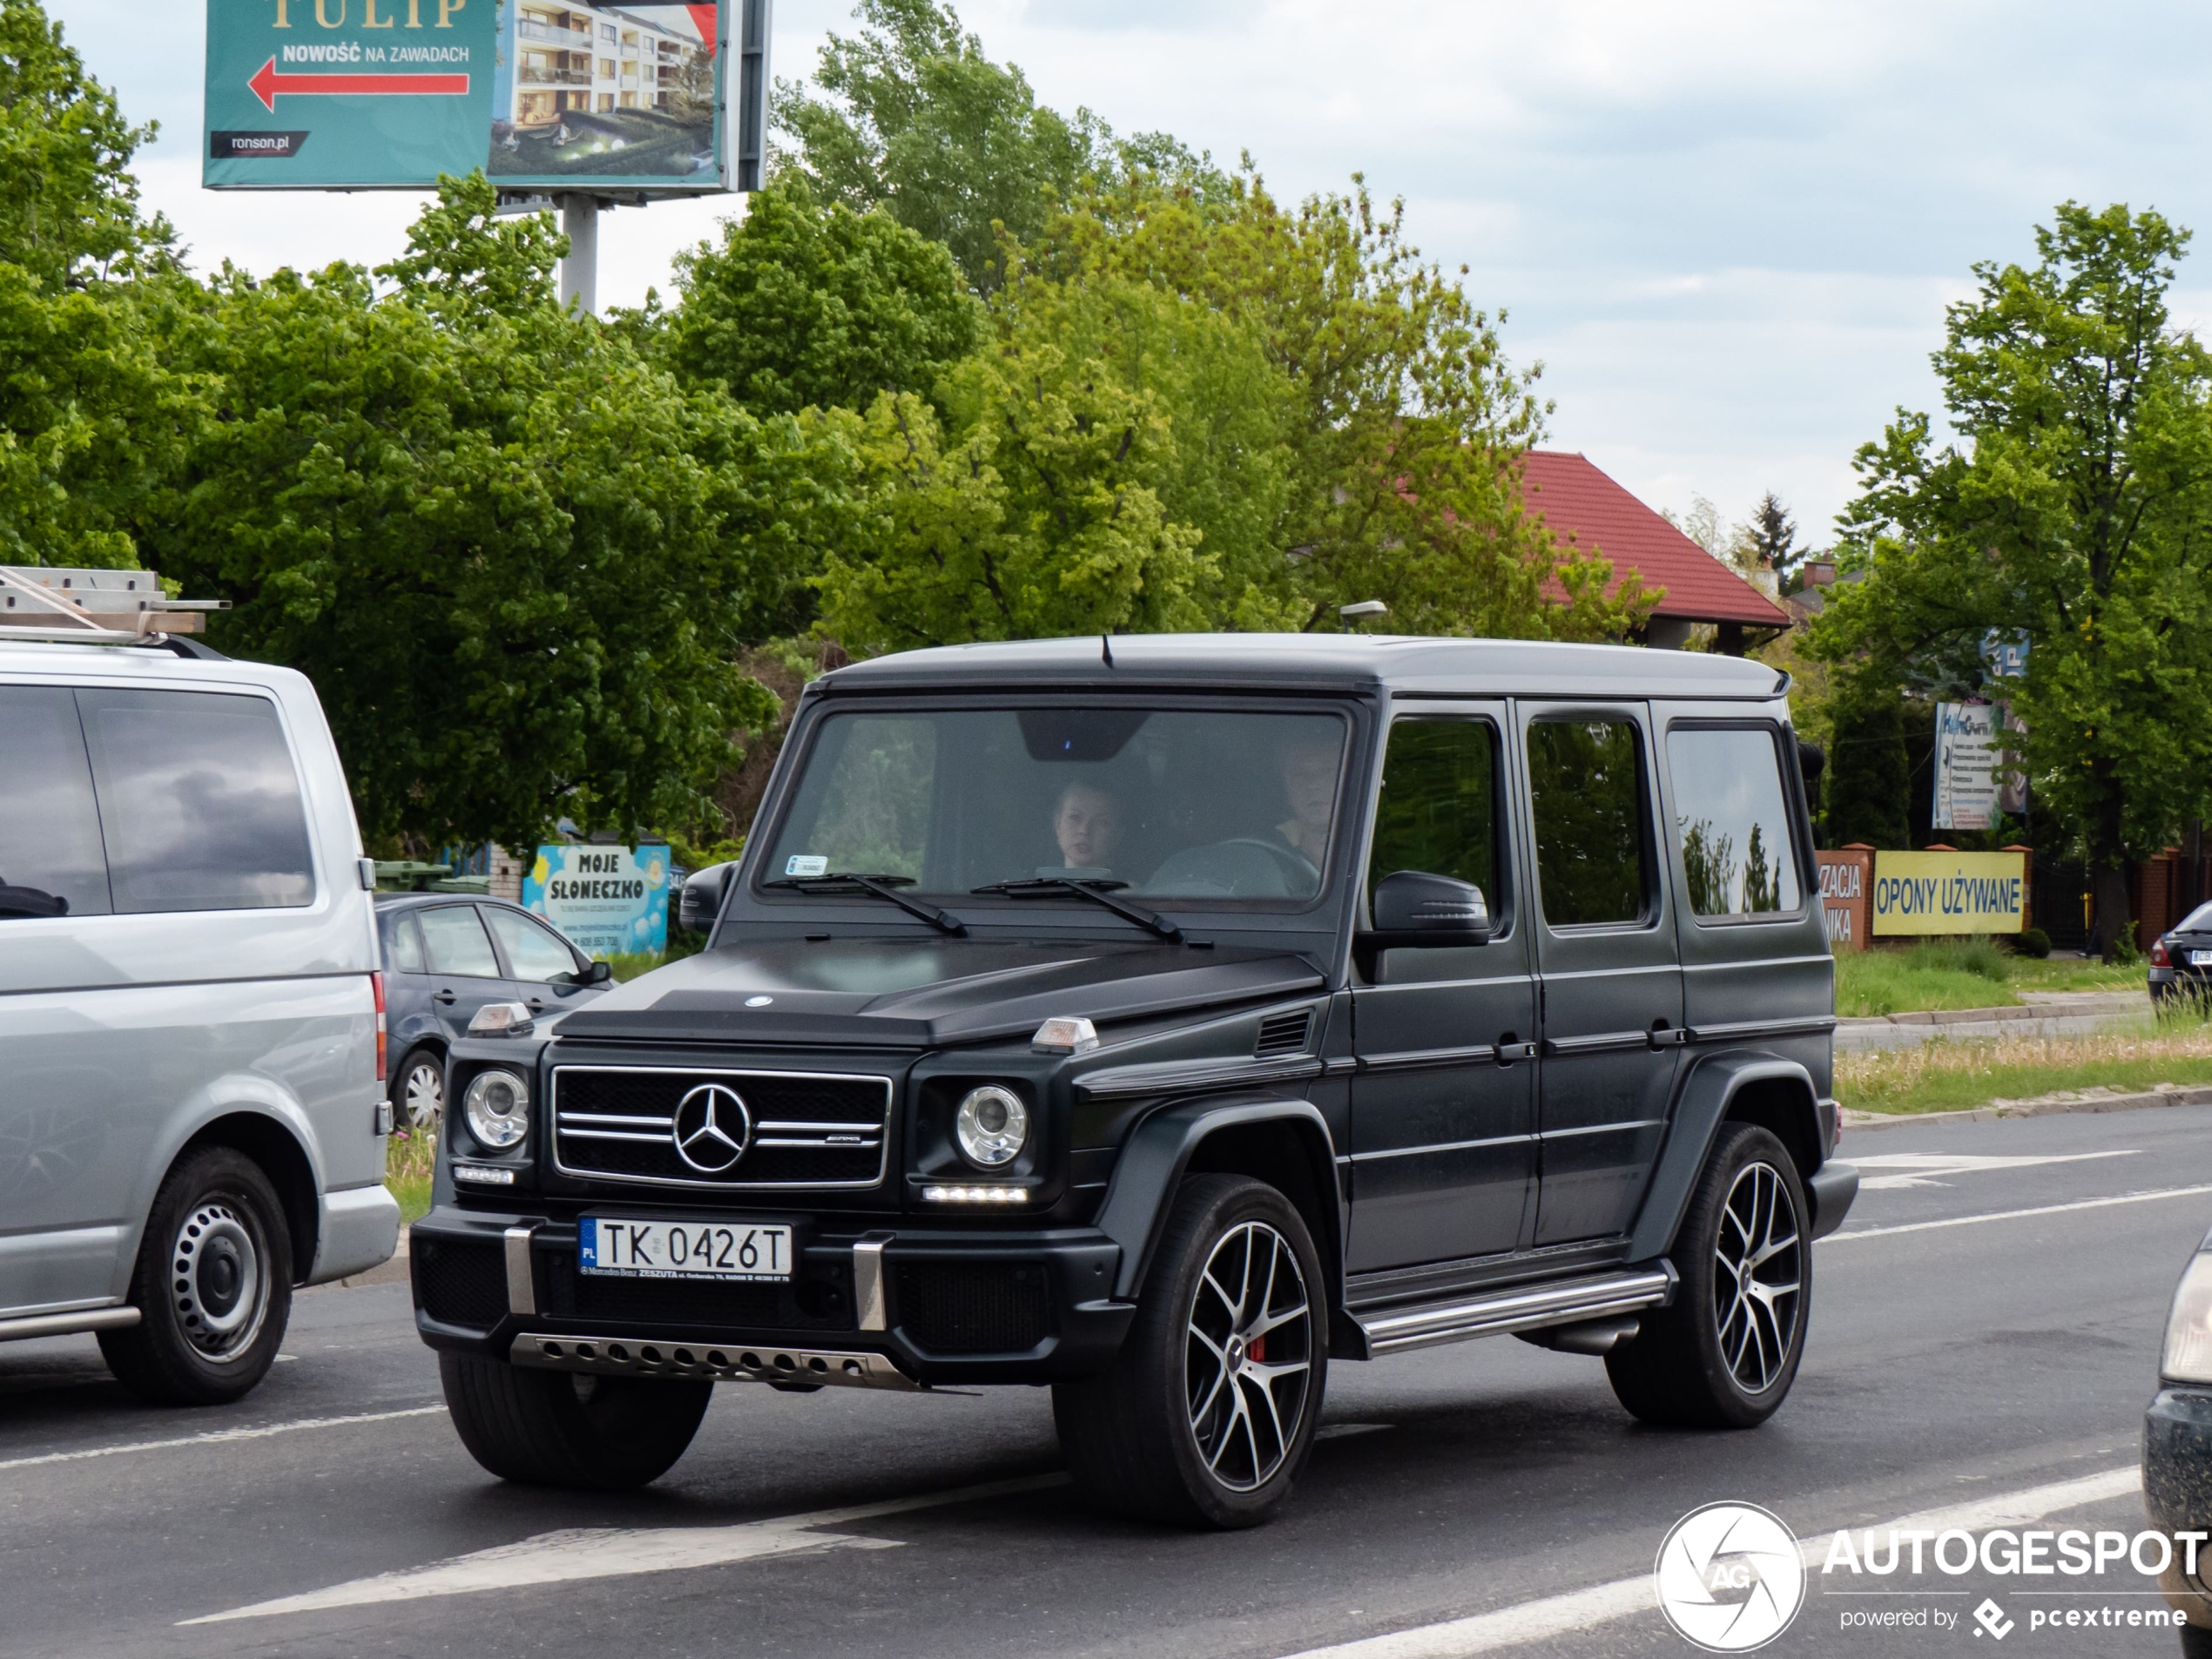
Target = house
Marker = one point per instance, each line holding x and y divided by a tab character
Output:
1582	504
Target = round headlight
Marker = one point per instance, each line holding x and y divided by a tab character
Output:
497	1106
991	1126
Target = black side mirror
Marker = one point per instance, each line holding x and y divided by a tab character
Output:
596	973
1812	761
1413	907
701	900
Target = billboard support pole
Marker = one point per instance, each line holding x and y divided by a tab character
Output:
580	265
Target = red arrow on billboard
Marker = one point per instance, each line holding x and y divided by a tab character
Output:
268	85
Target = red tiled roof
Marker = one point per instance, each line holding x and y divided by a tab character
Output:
1575	499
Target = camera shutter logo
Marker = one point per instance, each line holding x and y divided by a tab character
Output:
1729	1578
712	1127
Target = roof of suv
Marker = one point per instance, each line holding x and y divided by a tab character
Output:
1410	665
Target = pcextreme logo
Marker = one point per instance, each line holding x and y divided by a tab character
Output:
1730	1577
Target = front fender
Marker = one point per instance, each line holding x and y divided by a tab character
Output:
1713	1084
1158	1152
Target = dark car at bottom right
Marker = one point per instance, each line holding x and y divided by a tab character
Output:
2181	960
2177	1448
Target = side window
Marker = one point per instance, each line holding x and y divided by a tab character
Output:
456	942
1734	820
1586	785
535	952
403	946
199	801
51	862
1438	811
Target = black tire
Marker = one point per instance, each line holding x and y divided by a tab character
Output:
212	1285
1716	1358
1133	1434
560	1428
411	1108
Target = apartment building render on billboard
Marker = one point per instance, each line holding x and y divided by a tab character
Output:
600	60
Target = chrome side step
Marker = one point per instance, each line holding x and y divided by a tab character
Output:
68	1325
710	1362
1522	1308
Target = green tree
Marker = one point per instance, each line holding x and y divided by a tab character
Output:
805	305
918	121
514	557
2075	507
1868	780
1770	539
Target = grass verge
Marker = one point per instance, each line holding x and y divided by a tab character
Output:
1940	1077
1960	974
407	1172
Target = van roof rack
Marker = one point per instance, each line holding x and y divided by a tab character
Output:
72	605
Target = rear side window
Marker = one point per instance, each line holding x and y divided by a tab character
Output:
1438	811
50	860
457	941
403	946
534	951
1586	785
1734	821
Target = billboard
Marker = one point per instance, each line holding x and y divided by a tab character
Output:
624	99
1949	892
1966	764
612	900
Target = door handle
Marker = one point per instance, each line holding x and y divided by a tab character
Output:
442	996
538	1005
1509	1050
1664	1036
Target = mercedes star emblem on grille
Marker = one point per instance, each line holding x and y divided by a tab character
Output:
712	1127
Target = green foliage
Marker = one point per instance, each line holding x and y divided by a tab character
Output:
805	305
2075	509
512	555
2033	942
918	121
1869	781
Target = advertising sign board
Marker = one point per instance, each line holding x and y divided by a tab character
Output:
1966	762
1949	892
541	95
612	900
1846	891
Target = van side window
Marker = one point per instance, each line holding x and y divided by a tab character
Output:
1734	821
457	941
1587	787
51	862
1438	811
198	801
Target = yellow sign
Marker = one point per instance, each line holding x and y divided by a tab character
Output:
1949	893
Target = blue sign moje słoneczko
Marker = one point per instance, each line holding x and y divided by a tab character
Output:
611	900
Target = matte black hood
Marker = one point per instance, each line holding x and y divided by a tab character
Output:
906	993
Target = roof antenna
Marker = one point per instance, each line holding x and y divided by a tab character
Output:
1106	650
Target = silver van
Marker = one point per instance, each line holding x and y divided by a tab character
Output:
192	1029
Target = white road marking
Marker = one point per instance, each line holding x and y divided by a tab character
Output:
2014	1215
1559	1615
1924	1168
220	1436
616	1551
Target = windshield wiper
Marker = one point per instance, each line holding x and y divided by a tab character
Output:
883	887
1092	888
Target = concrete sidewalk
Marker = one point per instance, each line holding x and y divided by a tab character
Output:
2041	1014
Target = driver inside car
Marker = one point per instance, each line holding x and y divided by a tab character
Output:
1088	826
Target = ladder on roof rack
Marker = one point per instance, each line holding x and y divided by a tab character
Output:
94	607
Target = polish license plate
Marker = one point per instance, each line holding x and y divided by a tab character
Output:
2201	959
724	1250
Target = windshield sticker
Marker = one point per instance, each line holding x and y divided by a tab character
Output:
805	863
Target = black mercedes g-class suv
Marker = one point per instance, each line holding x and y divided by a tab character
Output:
1162	1019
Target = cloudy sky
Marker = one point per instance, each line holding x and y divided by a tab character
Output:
1728	231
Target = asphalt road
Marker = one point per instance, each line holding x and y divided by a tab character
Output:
1950	1367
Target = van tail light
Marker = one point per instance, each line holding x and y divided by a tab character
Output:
377	981
2158	956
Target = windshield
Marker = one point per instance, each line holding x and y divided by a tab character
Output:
1163	803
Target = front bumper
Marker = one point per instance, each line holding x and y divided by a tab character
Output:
2177	1487
939	1304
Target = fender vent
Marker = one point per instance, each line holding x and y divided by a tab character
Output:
1283	1034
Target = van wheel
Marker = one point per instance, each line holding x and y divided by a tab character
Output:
1206	1415
1724	1353
212	1285
562	1428
419	1089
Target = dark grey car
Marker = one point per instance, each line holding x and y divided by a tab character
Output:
445	956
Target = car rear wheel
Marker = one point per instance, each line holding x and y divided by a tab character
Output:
419	1090
559	1428
212	1285
1724	1353
1208	1413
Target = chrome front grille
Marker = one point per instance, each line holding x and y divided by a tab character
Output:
796	1128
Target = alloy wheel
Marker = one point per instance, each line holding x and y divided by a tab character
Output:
218	1280
1248	1356
1759	1273
423	1094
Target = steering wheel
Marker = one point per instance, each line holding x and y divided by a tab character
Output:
1298	878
